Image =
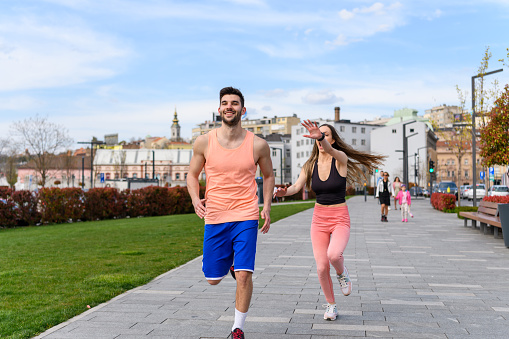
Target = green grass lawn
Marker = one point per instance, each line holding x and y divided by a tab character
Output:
49	274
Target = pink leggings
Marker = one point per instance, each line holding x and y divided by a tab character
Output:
330	231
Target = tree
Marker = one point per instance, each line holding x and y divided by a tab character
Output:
458	137
495	134
41	140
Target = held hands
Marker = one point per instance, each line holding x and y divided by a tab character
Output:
199	207
312	127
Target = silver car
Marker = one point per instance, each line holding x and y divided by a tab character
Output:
480	192
500	190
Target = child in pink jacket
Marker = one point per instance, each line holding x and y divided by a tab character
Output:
405	200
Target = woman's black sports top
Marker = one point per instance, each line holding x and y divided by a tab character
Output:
331	191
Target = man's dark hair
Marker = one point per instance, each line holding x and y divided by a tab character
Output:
231	90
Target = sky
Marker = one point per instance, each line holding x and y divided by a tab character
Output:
124	66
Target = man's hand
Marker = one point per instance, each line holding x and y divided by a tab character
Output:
266	216
199	207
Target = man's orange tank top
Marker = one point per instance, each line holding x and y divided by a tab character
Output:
231	186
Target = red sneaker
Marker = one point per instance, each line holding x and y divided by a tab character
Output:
232	272
237	334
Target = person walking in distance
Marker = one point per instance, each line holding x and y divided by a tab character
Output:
384	192
230	156
325	172
405	201
396	185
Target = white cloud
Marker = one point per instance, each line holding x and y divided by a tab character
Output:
324	97
34	54
362	22
278	92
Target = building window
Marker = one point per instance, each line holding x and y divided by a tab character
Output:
453	173
354	141
466	174
448	173
341	128
363	129
363	142
185	176
298	155
135	175
394	131
274	153
117	176
452	162
466	161
298	143
177	176
354	129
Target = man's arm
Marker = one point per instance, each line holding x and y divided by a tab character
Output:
195	168
265	163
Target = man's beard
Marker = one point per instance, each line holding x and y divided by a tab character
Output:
233	122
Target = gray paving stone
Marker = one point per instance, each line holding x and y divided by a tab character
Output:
423	279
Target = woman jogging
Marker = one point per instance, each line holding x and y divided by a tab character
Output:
325	172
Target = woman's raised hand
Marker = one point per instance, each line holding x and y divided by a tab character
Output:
281	192
312	127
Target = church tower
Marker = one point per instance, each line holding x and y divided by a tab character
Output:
175	128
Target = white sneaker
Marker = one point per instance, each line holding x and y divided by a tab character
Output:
344	282
331	312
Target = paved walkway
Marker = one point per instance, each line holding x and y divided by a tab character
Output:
428	278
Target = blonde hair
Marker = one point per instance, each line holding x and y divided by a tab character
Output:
358	162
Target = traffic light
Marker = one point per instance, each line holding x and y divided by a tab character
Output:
431	166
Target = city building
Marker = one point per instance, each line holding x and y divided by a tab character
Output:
169	166
263	126
281	156
357	135
444	116
388	141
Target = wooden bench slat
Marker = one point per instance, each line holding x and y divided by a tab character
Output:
487	213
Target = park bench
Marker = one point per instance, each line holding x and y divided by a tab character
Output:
487	215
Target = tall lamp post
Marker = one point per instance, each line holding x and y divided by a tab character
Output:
474	141
405	151
281	161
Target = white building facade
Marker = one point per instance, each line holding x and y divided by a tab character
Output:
357	135
388	141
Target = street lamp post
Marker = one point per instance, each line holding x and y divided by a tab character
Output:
405	151
474	141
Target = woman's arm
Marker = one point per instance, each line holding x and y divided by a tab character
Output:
315	133
295	188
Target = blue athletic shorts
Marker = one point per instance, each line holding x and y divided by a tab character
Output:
226	242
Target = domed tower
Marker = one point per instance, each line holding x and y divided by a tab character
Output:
175	128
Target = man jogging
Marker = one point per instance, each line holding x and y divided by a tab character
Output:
230	156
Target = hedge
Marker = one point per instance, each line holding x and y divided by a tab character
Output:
499	199
443	202
61	205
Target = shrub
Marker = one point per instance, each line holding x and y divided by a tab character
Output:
26	207
465	209
103	203
499	199
443	202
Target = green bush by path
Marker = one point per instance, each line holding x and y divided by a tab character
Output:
49	274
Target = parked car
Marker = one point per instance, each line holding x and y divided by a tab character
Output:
480	192
448	187
463	192
500	190
426	193
417	189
